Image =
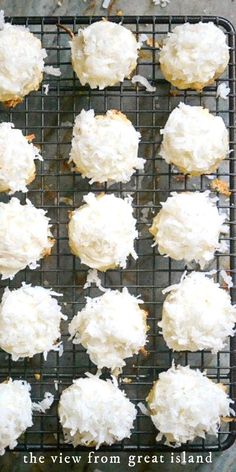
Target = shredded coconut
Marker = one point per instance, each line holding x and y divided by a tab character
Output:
162	3
46	89
25	236
197	314
194	55
143	81
29	321
142	39
50	70
95	412
17	155
111	328
92	278
15	412
143	409
45	404
185	404
194	140
105	147
106	3
227	278
102	231
222	91
104	53
188	227
22	62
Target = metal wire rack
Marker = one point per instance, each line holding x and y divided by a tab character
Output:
58	190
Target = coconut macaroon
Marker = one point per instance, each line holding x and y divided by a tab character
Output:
103	54
25	237
194	140
94	412
29	321
111	328
197	314
22	62
188	227
194	55
15	412
185	404
17	156
105	147
102	231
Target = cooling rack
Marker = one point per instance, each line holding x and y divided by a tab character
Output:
58	190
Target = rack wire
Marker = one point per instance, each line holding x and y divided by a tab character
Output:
58	190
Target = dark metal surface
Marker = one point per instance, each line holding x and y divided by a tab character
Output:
58	190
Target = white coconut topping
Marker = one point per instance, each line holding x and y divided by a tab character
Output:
92	278
197	314
106	3
29	321
15	412
102	231
227	278
25	237
104	53
105	147
222	91
194	140
46	88
94	412
17	155
22	62
143	81
45	404
162	3
193	55
50	70
185	404
188	227
111	328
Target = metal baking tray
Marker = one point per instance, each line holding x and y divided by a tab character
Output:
58	190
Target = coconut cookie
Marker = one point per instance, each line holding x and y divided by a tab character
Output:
188	227
17	156
94	412
185	404
15	412
194	140
25	237
22	63
111	328
30	320
197	314
103	54
102	231
105	147
194	55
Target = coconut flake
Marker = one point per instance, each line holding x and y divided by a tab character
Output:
143	81
222	91
161	3
92	278
106	3
45	404
142	38
45	89
227	278
143	409
50	70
